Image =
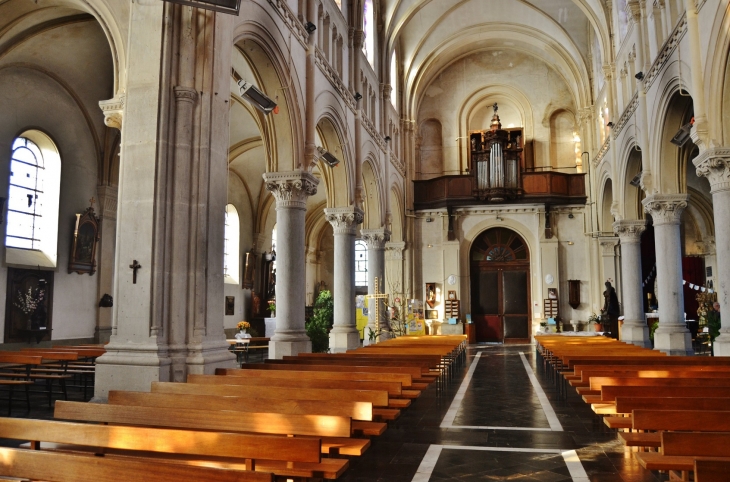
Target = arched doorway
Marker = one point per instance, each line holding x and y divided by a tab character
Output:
500	286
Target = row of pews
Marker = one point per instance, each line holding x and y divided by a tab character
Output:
43	369
675	410
300	418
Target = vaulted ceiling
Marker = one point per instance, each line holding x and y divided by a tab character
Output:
431	34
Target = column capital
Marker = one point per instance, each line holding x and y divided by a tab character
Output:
113	110
344	220
107	201
357	37
608	245
394	250
665	208
375	238
633	8
629	231
714	164
291	189
185	94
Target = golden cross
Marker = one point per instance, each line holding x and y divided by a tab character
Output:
92	201
377	297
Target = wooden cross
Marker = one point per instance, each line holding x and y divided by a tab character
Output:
92	201
377	297
135	266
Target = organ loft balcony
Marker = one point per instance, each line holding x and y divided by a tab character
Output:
498	174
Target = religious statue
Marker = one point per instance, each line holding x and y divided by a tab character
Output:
611	310
255	304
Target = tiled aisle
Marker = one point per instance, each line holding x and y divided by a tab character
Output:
511	436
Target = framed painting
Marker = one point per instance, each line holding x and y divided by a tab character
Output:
83	244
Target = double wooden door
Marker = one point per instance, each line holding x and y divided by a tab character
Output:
501	302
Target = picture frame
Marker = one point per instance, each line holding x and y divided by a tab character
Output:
430	294
432	314
553	293
452	295
230	305
83	244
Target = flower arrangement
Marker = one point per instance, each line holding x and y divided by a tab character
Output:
272	306
243	325
594	318
28	302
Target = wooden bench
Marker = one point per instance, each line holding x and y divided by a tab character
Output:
264	453
679	451
320	375
709	470
319	426
418	380
64	467
26	363
658	421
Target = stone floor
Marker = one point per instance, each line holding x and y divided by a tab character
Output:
488	423
511	435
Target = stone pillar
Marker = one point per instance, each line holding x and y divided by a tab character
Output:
167	315
714	164
375	240
608	259
291	190
344	335
108	227
635	329
672	336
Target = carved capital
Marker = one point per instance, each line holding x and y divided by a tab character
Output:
629	232
185	94
665	208
608	245
714	164
107	201
113	110
385	90
344	220
633	8
375	238
357	37
395	250
291	189
608	71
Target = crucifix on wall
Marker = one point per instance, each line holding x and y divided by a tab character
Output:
135	266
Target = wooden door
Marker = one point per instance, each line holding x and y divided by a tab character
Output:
500	287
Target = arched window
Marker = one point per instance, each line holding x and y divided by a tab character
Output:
499	245
31	234
394	80
231	269
368	28
361	263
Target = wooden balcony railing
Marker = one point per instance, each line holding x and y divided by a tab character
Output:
547	187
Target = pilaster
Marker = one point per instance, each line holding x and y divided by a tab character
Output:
108	227
291	191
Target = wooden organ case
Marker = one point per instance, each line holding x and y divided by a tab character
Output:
497	161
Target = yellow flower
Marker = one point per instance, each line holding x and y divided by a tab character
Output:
243	325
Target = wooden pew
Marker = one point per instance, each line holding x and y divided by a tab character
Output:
679	451
215	385
63	467
658	421
427	367
264	453
598	383
26	362
418	380
354	410
320	375
393	388
709	470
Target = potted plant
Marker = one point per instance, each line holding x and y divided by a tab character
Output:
272	308
597	326
544	326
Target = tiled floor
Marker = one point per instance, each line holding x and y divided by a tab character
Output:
523	447
520	446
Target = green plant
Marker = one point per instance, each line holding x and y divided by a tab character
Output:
713	324
594	318
319	325
543	324
652	329
272	307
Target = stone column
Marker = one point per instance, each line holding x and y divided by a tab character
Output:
672	336
375	240
344	335
608	258
291	190
714	164
635	329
